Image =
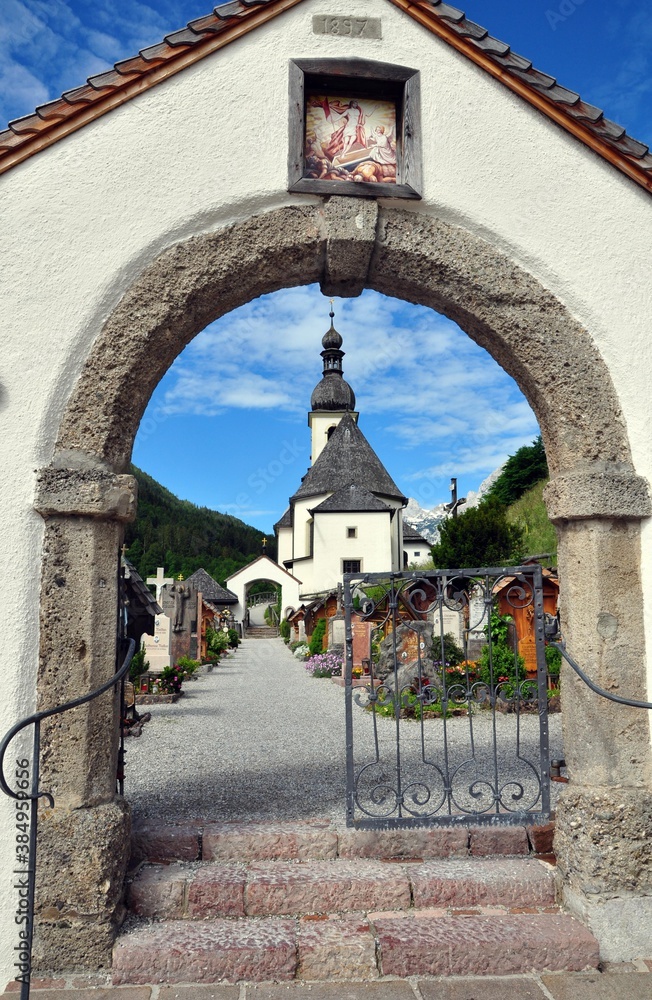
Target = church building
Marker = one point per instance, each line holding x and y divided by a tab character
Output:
347	514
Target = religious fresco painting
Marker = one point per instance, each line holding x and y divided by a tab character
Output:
350	138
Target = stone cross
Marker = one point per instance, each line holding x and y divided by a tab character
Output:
160	580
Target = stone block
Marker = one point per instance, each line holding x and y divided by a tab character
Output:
480	882
483	945
36	984
410	844
92	993
336	949
541	838
485	841
332	991
278	887
269	841
209	951
158	891
196	992
502	988
156	842
217	891
593	986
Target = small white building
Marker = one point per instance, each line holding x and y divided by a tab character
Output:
416	548
346	517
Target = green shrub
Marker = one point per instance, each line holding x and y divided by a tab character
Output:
453	654
185	667
553	661
317	638
217	640
139	665
284	629
508	665
234	638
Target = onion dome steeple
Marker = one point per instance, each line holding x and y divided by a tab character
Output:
332	393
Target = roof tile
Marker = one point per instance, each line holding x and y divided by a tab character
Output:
232	9
493	46
80	95
159	51
203	24
30	124
135	64
9	140
186	36
112	78
450	13
584	110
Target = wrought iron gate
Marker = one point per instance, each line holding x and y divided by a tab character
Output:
431	741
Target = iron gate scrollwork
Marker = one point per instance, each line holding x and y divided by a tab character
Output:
433	742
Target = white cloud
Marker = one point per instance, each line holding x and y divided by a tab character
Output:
415	374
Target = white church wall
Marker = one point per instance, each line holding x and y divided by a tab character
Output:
82	218
371	545
284	544
302	519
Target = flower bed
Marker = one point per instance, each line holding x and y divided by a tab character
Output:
324	665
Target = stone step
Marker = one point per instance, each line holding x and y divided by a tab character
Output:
482	944
280	888
352	947
318	839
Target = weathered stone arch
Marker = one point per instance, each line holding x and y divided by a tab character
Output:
595	498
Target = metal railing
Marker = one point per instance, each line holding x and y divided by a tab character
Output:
26	796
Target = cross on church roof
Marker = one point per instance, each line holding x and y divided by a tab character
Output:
160	580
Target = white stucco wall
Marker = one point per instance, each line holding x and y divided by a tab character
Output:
372	546
418	553
83	218
284	542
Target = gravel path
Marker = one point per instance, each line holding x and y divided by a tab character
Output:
258	738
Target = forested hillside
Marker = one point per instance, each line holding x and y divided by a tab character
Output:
182	537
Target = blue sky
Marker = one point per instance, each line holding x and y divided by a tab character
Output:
227	425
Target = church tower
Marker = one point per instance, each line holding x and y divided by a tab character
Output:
347	514
332	397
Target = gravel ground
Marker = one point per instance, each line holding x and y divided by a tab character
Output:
258	738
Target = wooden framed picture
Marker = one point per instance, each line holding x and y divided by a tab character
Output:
354	129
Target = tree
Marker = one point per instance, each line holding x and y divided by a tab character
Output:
522	470
481	536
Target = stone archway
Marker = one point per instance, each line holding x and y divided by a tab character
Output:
595	498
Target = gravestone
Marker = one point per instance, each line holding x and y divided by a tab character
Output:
448	622
179	601
361	646
477	624
336	634
157	646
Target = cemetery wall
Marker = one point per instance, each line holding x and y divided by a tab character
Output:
208	149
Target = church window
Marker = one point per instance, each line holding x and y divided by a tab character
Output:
331	431
351	532
351	565
417	553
